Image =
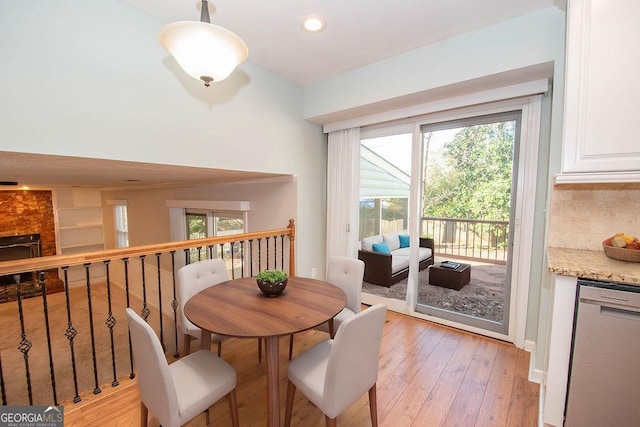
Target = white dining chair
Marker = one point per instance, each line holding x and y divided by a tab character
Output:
193	278
178	392
347	274
335	373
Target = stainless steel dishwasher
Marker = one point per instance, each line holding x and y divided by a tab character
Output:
604	381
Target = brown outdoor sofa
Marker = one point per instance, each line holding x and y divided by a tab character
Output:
386	269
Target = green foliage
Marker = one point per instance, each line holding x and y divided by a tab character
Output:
395	208
474	179
197	226
272	276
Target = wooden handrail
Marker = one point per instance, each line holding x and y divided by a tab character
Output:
56	261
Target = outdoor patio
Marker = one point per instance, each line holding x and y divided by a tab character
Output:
483	297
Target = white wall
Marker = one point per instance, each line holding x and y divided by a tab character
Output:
89	79
529	40
272	204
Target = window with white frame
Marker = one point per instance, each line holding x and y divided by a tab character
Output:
121	224
196	219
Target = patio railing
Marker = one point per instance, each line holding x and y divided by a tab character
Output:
474	239
55	347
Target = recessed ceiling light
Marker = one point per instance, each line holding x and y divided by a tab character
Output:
313	24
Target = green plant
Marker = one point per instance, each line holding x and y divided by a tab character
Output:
272	276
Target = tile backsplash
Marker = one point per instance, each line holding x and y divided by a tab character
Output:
583	215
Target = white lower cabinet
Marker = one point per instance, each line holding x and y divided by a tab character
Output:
559	349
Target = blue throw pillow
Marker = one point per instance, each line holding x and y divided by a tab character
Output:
404	240
381	247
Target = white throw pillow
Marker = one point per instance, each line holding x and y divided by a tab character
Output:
368	242
392	240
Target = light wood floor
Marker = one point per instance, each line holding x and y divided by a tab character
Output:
429	375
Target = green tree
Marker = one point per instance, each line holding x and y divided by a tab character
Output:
474	178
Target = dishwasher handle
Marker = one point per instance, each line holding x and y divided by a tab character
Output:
619	312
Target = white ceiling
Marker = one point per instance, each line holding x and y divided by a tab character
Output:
358	33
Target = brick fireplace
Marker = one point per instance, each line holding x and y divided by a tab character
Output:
27	229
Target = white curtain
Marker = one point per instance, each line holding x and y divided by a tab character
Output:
343	192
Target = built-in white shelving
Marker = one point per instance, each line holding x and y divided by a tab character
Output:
79	226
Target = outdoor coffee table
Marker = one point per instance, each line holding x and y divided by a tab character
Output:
450	278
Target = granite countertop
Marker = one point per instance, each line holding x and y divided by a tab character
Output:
592	265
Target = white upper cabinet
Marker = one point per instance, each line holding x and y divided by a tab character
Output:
602	98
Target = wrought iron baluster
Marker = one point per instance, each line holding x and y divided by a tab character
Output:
2	388
45	306
132	374
242	255
174	303
233	266
25	344
96	390
275	253
282	250
187	257
267	244
259	254
71	333
250	256
111	322
158	271
145	310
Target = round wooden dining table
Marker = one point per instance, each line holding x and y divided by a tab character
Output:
237	308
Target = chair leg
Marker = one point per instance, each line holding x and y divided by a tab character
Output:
206	416
290	346
233	408
291	393
187	344
373	406
330	422
259	350
219	348
144	414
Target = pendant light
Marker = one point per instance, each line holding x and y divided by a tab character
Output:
205	51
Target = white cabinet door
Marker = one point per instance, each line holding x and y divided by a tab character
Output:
602	101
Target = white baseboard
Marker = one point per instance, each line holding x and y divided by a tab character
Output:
535	375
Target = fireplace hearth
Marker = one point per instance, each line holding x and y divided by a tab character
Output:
21	247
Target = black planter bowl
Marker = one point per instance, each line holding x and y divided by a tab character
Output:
272	289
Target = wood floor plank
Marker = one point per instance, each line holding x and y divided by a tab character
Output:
409	402
466	405
523	407
420	365
497	396
397	375
438	402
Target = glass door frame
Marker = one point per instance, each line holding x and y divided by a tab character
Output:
525	206
459	318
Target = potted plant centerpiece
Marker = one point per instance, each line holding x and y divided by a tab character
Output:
272	282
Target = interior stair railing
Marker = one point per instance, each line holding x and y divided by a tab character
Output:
56	347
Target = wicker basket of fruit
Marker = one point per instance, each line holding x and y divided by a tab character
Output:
622	247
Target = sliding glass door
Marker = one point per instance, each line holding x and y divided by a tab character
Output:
468	186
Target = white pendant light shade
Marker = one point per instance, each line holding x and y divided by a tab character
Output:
205	51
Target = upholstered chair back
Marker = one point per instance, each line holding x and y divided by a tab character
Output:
347	274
